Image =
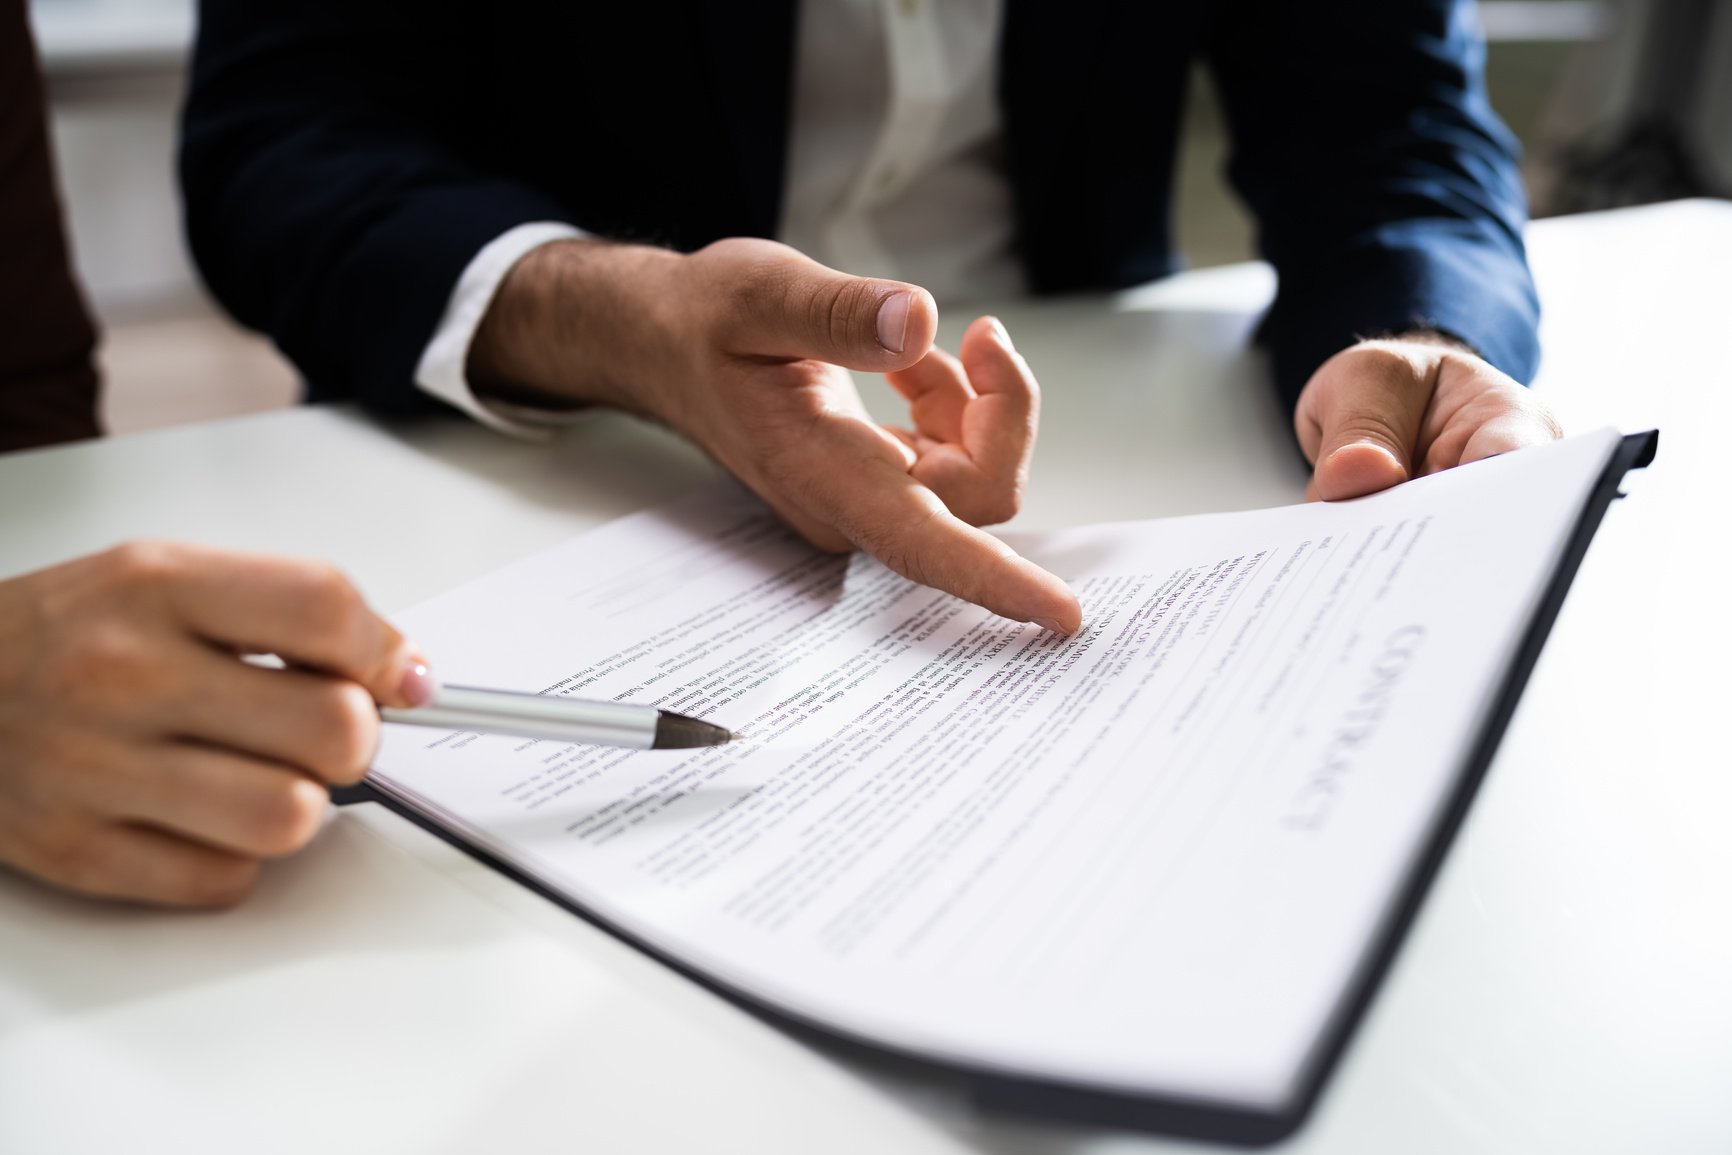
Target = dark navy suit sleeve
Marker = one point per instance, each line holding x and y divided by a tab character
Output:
325	202
1386	190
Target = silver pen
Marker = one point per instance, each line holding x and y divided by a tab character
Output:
561	719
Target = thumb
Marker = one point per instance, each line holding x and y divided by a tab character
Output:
797	308
1360	419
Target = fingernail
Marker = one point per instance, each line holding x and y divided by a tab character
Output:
419	686
1002	335
1050	625
893	321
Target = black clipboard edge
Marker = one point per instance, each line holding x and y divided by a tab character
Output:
1053	1100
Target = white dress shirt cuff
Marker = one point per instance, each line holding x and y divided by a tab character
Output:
442	370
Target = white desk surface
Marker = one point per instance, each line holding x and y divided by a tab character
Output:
1568	986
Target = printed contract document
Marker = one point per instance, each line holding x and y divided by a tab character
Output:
1146	860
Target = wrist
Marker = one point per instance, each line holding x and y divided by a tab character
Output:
577	322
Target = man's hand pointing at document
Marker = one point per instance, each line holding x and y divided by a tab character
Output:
744	347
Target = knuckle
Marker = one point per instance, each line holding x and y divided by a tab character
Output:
1385	354
331	600
104	659
754	271
737	251
286	816
347	726
1388	363
844	311
332	611
142	562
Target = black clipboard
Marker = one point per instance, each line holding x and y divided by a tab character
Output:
1057	1100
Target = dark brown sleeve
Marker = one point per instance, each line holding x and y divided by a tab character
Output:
47	374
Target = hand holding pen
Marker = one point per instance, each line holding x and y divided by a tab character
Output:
142	758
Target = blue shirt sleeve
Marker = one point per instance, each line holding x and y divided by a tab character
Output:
325	204
1386	191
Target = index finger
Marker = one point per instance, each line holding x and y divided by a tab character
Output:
889	514
305	612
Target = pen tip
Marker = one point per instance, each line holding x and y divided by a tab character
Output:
678	732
